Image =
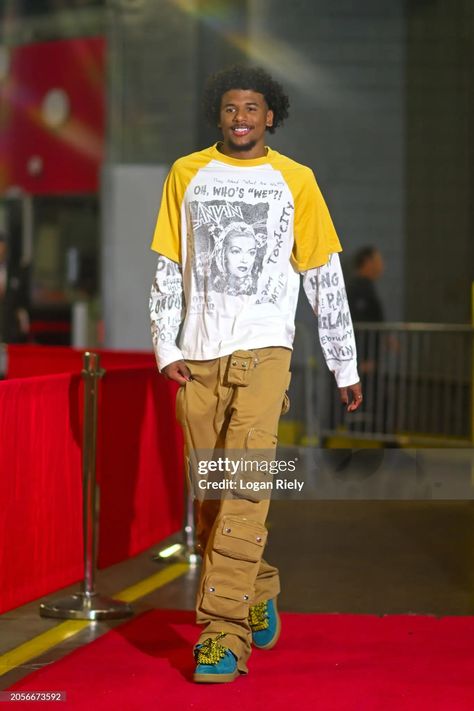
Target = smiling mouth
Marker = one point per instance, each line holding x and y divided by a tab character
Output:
242	269
241	130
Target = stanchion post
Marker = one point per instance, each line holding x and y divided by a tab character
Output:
184	552
3	360
472	382
88	604
91	374
472	365
189	529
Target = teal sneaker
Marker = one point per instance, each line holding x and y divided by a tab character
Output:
265	624
215	663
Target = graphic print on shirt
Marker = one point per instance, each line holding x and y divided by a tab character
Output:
166	301
229	245
326	293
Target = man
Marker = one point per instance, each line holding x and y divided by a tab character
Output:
364	301
365	306
235	345
374	344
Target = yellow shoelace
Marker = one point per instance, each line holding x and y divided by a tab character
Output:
258	616
211	651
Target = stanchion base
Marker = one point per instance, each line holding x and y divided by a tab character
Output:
83	606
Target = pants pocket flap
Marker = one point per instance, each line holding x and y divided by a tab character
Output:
215	586
244	531
241	362
239	367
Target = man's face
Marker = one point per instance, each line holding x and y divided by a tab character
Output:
244	117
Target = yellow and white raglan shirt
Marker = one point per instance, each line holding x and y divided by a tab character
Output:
233	237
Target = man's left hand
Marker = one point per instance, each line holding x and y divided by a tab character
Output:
351	396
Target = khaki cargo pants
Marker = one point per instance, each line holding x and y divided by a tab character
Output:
234	403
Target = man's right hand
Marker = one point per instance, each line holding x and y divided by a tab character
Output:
177	371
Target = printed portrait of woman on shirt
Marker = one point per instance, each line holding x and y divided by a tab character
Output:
237	259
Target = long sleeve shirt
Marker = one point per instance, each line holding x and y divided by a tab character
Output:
233	238
324	288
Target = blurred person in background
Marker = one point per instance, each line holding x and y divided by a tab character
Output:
365	304
373	346
260	217
364	301
14	314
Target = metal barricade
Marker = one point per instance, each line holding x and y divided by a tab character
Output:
417	381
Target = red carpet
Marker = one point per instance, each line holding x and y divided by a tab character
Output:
324	662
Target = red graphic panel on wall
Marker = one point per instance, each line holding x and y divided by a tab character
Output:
52	116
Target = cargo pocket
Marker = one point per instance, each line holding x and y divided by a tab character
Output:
240	367
242	540
260	439
222	599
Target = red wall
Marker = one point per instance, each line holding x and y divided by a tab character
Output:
70	155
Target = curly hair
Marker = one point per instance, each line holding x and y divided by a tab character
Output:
240	77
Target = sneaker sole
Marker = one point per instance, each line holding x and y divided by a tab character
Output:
216	678
276	636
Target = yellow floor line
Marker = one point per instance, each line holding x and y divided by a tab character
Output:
42	642
134	592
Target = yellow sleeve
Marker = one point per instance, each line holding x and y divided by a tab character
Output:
315	235
167	235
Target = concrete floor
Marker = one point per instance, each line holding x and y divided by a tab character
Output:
352	557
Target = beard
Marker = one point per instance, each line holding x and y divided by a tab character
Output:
241	147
